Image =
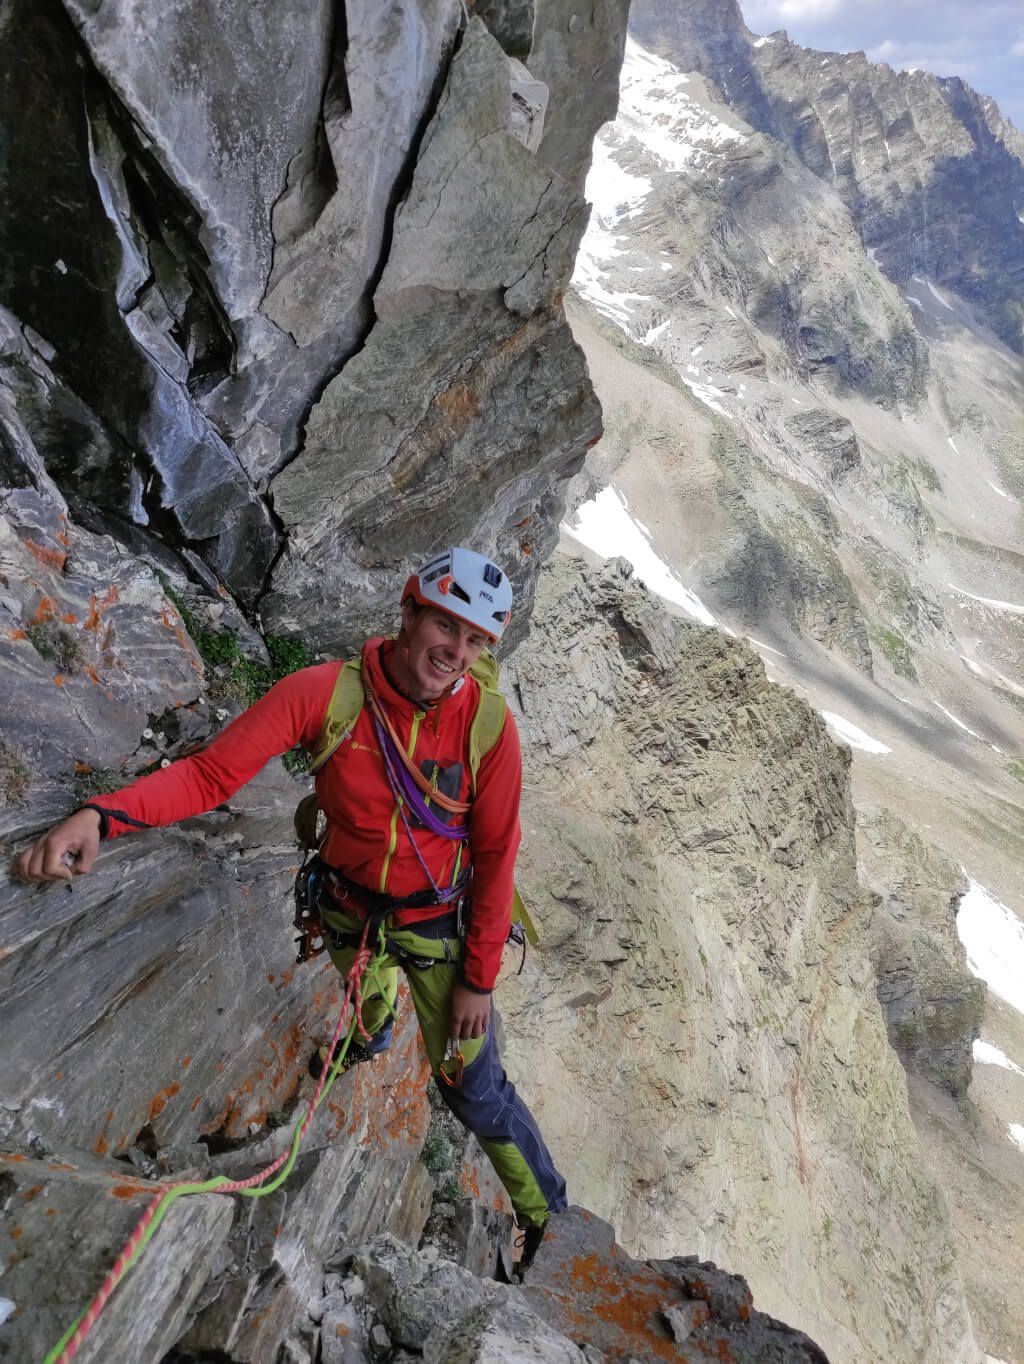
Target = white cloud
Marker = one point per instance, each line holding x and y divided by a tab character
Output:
773	14
1018	49
942	59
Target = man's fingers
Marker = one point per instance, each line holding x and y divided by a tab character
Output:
35	861
86	856
54	866
68	849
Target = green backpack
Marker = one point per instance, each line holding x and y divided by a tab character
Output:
346	703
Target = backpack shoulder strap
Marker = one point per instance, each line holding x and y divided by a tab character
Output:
489	720
484	733
346	702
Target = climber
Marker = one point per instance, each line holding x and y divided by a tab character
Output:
445	902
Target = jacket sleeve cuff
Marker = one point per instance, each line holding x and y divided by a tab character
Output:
104	818
118	816
477	989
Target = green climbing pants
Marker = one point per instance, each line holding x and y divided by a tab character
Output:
485	1100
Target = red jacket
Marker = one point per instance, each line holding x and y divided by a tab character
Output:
366	838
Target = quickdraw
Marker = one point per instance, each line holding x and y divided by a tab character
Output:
312	939
452	1053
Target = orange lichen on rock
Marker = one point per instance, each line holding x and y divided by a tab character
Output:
159	1102
33	1192
50	558
44	611
128	1190
17	633
458	403
632	1302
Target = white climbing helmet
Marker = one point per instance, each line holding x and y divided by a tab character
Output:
466	585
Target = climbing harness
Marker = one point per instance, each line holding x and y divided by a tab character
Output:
365	962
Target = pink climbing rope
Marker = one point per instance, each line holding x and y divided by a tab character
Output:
353	989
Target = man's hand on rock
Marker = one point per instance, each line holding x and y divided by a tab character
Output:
469	1014
69	849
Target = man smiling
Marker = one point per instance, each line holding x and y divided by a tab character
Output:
421	801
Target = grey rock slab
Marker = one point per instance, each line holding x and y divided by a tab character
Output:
529	106
503	1332
516	223
121	217
384	78
61	1229
577	52
198	90
511	22
416	1294
489	417
77	618
352	1178
428	1304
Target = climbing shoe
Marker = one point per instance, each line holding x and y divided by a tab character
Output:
528	1243
357	1053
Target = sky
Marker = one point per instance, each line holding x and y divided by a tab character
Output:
980	40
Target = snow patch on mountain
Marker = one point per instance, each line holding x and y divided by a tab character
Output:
605	526
851	734
988	1055
993	938
665	124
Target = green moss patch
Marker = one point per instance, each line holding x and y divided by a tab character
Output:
896	650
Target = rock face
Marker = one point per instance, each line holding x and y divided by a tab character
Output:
933	1005
813	420
712	1062
280	310
262	309
928	168
583	1300
255	356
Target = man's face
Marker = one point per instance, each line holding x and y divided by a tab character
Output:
439	650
